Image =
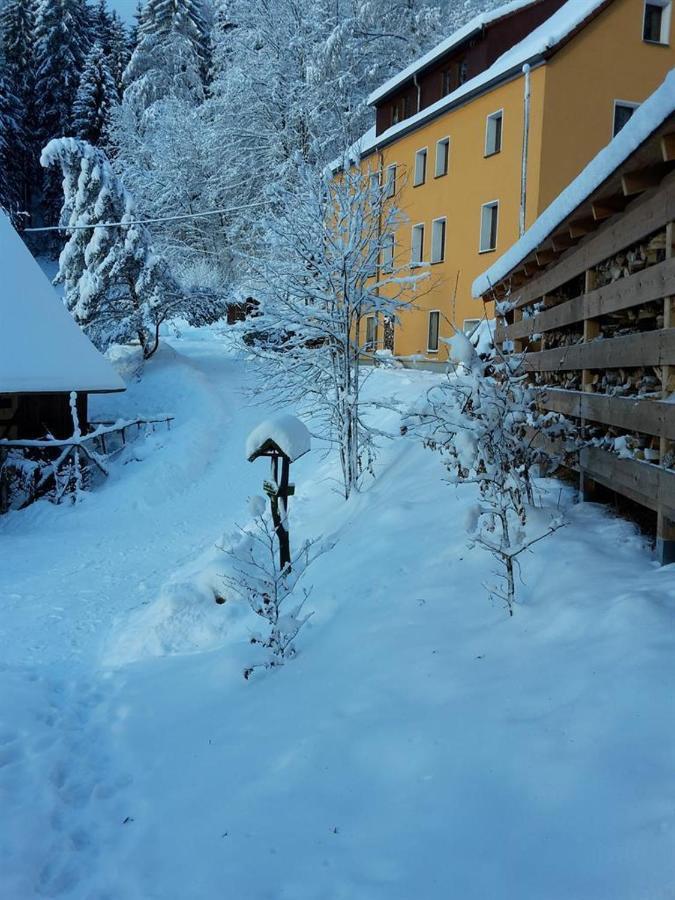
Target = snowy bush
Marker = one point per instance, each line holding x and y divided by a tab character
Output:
484	421
255	576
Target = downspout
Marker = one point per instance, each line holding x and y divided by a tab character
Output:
526	141
419	92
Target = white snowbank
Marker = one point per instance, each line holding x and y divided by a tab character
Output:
41	346
653	112
287	432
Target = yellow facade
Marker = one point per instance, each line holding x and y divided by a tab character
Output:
571	119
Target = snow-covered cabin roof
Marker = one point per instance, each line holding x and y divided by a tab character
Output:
532	51
287	433
472	27
42	350
644	121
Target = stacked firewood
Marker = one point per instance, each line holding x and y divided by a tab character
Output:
636	258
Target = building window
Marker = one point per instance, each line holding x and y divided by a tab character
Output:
448	82
438	240
622	113
463	72
388	253
433	336
493	133
420	167
374	186
470	326
390	182
417	255
488	226
399	110
442	157
656	23
371	332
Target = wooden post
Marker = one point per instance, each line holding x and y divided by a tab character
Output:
587	487
279	507
665	525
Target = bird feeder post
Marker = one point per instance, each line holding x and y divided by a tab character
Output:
284	440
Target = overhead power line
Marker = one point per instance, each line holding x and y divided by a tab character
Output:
199	215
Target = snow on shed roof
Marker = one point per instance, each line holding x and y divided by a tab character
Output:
531	50
644	121
457	37
288	433
42	350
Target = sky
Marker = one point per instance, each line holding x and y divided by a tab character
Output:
124	7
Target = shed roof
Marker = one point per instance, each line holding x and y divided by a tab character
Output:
646	120
42	349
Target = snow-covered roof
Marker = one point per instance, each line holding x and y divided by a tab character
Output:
288	433
42	350
530	51
472	27
644	121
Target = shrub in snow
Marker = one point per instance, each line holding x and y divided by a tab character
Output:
255	576
483	420
326	266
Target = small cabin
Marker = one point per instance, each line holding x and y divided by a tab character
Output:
587	296
44	355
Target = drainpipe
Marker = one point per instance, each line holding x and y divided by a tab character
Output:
526	140
419	92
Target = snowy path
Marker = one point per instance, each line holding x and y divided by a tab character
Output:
422	745
67	575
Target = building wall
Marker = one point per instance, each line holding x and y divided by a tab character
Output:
571	119
608	60
472	180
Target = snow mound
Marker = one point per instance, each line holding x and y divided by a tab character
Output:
287	432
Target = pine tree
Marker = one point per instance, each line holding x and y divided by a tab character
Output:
19	162
10	187
185	17
95	99
110	32
115	286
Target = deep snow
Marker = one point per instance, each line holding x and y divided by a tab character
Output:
423	744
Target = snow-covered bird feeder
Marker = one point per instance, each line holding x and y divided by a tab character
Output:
283	439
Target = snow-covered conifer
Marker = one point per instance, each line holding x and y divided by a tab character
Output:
96	96
115	286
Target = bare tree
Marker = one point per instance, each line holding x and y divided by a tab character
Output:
330	261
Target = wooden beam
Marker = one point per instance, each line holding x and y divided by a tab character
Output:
581	227
605	209
668	147
544	257
638	182
646	286
649	485
561	241
643	216
655	417
649	348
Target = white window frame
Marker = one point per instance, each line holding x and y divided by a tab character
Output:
434	312
415	229
443	142
371	344
388	245
390	181
491	204
475	324
666	6
422	153
626	103
374	184
434	258
497	114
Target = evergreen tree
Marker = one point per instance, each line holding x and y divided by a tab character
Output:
62	40
96	96
10	187
109	31
185	17
115	286
18	168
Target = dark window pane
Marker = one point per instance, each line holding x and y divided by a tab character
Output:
653	22
622	114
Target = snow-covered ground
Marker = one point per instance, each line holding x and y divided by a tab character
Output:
422	745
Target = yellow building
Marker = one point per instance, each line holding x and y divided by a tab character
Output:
482	133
